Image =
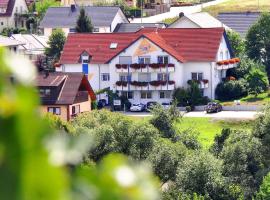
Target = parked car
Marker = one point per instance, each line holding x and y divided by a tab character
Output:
213	107
166	105
150	104
138	107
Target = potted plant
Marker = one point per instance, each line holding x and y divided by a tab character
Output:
171	82
226	62
135	66
155	83
124	66
171	65
231	61
154	66
219	63
118	66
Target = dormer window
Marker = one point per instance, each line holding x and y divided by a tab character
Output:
113	45
85	57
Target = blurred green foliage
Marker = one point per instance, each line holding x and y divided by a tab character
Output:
38	163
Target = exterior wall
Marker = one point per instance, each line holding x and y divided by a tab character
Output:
119	18
84	106
63	115
184	23
10	21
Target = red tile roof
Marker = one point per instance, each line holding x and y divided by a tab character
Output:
183	44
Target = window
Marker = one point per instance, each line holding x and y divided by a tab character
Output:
162	77
163	59
54	110
22	24
2	23
85	68
124	77
128	95
144	60
72	30
221	55
96	30
16	9
45	92
75	109
125	60
227	54
144	77
146	95
113	45
197	76
164	94
21	9
105	77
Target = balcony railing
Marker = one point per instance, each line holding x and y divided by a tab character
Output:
152	85
154	67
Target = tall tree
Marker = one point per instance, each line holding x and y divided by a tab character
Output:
237	43
56	44
84	24
258	41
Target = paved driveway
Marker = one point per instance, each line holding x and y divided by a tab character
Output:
220	115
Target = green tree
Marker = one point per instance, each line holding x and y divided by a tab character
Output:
242	161
42	6
237	43
201	173
56	44
257	81
165	158
84	24
264	192
258	43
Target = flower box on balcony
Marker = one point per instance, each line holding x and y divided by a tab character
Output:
139	84
154	66
219	63
124	66
142	66
171	82
158	83
205	81
231	61
135	66
121	83
118	66
171	65
226	62
162	65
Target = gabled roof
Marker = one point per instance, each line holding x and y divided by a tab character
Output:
61	17
71	82
133	27
239	21
31	42
8	42
8	5
183	44
201	19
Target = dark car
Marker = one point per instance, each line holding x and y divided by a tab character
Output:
213	107
150	104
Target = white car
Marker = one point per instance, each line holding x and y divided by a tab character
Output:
137	107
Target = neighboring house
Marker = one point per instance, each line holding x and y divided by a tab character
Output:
103	18
133	27
85	2
239	21
197	20
12	14
148	65
65	95
33	45
11	44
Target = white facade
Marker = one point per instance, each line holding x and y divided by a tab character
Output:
206	72
14	21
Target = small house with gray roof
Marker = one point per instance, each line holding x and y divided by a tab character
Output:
103	18
134	27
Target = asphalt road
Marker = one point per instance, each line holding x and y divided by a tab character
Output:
220	115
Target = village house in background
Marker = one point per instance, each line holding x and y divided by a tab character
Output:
65	95
11	44
197	20
32	45
103	18
149	64
239	22
134	27
12	14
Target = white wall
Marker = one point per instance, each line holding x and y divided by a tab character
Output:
119	18
184	22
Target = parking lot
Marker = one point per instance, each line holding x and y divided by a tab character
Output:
219	115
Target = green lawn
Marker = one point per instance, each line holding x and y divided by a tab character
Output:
208	128
239	6
261	99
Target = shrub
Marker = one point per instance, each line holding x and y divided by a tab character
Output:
188	108
181	95
230	90
257	81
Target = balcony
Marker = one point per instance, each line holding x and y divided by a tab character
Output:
145	86
154	67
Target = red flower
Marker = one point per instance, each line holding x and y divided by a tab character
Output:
220	63
226	62
170	65
231	61
154	66
171	82
118	66
205	81
57	64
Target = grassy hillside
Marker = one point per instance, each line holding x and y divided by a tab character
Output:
239	6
